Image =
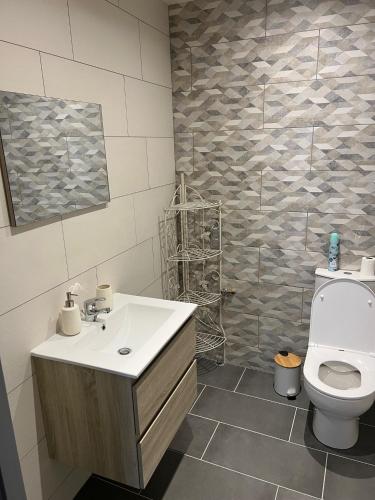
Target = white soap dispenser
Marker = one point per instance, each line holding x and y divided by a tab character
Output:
70	316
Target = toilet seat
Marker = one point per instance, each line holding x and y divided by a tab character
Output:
363	363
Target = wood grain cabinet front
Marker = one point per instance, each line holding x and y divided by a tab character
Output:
113	425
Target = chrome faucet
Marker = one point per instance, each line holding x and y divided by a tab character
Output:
90	309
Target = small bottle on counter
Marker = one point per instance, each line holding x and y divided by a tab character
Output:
70	316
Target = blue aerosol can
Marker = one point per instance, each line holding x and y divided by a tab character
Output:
334	251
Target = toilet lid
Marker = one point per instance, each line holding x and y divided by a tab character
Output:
343	316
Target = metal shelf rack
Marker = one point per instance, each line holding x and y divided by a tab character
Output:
192	243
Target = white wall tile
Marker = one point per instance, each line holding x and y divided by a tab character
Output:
127	165
26	415
42	475
149	109
72	80
105	36
4	219
161	165
154	290
153	12
99	234
158	256
38	24
156	59
131	271
27	326
149	208
31	262
71	485
23	72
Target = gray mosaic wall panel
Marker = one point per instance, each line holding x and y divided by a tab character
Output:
54	156
274	114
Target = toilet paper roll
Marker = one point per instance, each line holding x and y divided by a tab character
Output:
367	266
105	292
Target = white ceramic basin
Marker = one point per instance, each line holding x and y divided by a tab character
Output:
141	324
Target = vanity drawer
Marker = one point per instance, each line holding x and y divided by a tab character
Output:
154	443
156	384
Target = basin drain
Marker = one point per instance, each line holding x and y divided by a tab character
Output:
124	351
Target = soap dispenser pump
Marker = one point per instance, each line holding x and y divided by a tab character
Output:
70	316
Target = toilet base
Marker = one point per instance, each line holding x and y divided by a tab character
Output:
335	432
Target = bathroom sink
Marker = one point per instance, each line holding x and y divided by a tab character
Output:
126	340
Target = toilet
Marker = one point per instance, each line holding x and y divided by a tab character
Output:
339	370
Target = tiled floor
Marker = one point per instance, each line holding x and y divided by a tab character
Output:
241	441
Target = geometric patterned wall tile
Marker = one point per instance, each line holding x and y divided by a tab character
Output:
306	307
325	191
216	109
40	117
37	164
199	22
357	234
347	51
239	190
88	178
348	147
276	335
265	229
268	149
284	16
236	353
334	101
275	301
289	267
183	151
241	263
254	61
241	330
54	156
181	69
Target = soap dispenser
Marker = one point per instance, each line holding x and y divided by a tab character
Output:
70	316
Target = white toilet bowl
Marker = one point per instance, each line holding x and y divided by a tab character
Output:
341	387
339	370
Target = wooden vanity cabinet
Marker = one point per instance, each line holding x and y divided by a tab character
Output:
113	425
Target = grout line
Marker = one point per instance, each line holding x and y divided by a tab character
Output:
291	429
196	401
239	380
277	492
66	255
70	28
140	47
209	441
324	477
252	396
126	110
41	70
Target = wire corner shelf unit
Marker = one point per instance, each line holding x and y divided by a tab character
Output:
193	257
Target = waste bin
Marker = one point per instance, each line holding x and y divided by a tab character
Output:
287	380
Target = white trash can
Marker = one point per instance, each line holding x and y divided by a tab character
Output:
287	380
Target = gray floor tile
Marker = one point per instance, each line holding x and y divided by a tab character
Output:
364	450
349	480
267	458
260	384
193	435
225	376
244	411
284	494
183	478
